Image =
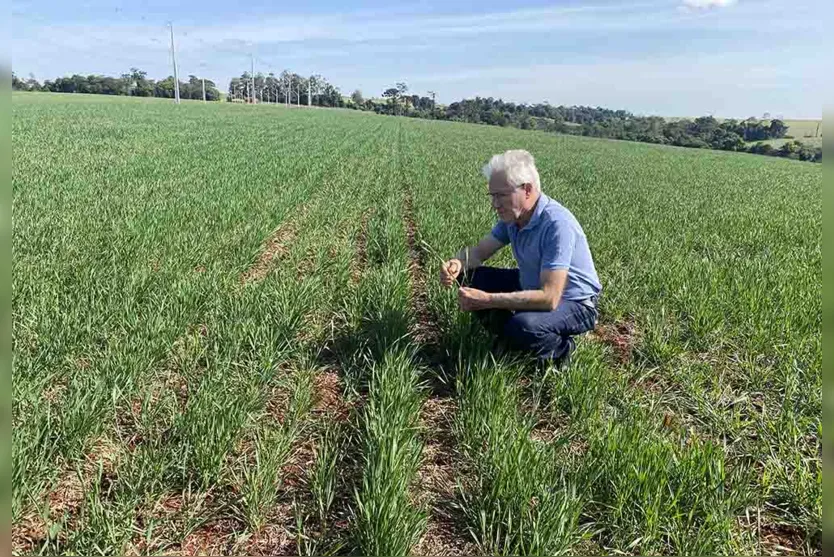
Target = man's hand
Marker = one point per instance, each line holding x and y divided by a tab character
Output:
449	272
472	299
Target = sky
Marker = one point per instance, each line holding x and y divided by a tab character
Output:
727	58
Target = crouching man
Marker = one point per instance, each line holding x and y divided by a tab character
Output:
552	295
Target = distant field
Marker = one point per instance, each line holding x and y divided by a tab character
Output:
776	143
808	132
802	129
228	337
798	127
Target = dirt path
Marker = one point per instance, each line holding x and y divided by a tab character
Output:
438	474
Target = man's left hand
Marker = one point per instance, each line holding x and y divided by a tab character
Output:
472	299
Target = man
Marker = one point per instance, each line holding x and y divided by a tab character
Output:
552	295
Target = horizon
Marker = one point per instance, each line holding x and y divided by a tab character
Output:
660	58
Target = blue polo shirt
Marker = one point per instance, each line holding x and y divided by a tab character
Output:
553	239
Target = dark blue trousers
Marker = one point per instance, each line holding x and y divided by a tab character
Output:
546	334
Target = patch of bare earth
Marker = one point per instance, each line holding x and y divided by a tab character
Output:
54	393
425	326
170	518
781	539
215	538
274	248
437	479
279	536
277	403
272	539
328	396
621	337
547	428
64	501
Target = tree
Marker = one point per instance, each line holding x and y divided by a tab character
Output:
317	85
433	94
143	86
165	88
356	97
32	84
393	95
777	129
402	89
790	149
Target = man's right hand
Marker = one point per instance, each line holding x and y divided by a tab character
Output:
449	272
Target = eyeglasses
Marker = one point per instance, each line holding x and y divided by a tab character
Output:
504	194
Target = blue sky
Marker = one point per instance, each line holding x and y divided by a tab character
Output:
729	58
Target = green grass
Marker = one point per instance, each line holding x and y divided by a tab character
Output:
804	128
163	404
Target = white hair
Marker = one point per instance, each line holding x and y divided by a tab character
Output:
517	165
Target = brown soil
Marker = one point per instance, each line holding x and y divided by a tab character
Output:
328	396
425	327
781	539
274	538
215	538
437	478
65	499
275	247
622	337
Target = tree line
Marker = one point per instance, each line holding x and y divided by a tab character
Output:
706	132
286	87
134	83
750	135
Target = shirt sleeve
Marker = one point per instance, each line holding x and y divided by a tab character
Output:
557	246
499	232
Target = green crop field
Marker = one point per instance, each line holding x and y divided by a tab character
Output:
804	129
229	337
809	132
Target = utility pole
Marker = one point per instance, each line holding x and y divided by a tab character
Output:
432	93
252	77
204	89
176	72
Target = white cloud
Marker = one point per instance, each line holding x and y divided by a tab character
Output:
707	4
370	50
246	34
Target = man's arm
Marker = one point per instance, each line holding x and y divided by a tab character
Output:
473	257
469	257
546	299
557	252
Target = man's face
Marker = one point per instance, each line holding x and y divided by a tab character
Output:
507	201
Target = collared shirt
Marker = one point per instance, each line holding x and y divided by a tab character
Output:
553	239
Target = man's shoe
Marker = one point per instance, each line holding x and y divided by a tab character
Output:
563	362
499	346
